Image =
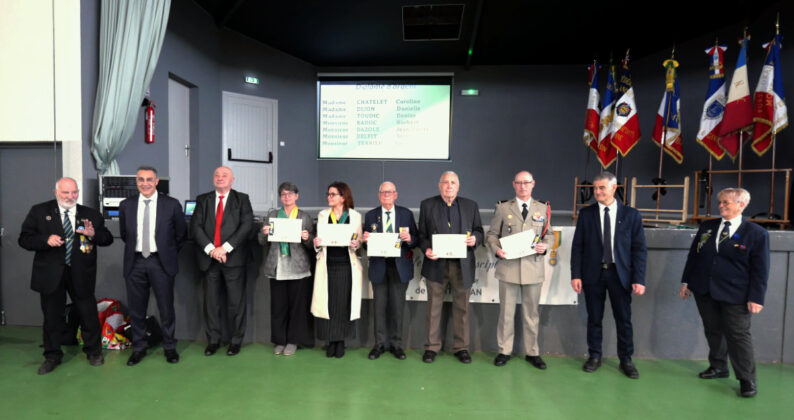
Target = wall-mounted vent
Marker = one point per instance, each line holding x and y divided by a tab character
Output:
432	22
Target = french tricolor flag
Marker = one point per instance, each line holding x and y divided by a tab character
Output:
607	153
591	118
770	112
738	116
714	107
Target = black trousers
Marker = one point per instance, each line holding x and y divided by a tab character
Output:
620	299
290	319
389	296
148	273
217	277
727	328
53	305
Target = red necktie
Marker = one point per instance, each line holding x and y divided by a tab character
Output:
218	221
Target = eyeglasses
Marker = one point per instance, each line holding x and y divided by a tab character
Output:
287	194
523	183
387	192
142	180
334	195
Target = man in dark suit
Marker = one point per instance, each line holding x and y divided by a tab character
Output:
390	276
727	270
64	235
448	214
152	227
220	226
608	258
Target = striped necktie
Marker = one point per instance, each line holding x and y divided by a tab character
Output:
69	234
389	227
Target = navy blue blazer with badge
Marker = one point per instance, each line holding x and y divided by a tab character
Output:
405	264
628	248
738	273
170	231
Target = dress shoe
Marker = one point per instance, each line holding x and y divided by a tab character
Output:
463	356
171	356
536	361
747	388
429	356
290	349
96	359
340	349
48	366
712	373
211	349
331	349
376	352
279	349
592	364
397	352
501	359
136	357
234	349
628	369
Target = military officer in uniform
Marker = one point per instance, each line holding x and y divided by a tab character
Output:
523	274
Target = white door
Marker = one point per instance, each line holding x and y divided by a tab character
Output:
178	140
250	132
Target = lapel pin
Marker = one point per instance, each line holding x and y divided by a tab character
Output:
48	218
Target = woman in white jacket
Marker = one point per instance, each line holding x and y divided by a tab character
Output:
336	299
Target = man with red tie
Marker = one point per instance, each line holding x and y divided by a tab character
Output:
220	226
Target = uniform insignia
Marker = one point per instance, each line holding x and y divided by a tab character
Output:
509	216
623	109
538	217
48	218
703	239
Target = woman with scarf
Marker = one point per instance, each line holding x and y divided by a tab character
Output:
336	301
288	265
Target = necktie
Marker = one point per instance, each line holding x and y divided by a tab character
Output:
726	230
218	221
389	228
607	237
145	246
524	212
69	234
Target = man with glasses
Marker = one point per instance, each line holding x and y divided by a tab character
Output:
390	276
523	275
152	226
221	226
64	236
727	270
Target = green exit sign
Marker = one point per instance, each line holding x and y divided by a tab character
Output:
251	80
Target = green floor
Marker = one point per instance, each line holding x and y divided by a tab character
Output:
257	384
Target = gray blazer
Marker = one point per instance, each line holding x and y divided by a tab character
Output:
301	254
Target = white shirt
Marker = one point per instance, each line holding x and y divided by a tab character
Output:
735	222
521	205
72	215
210	246
613	213
152	222
393	215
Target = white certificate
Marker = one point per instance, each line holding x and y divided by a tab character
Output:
335	234
285	230
449	246
383	245
519	245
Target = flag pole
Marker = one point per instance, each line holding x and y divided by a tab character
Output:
773	134
711	160
663	141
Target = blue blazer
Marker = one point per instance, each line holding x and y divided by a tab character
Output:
405	264
738	273
629	246
170	231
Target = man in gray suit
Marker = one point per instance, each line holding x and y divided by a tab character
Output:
220	226
523	275
448	214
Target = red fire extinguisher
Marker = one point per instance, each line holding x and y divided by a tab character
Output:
149	123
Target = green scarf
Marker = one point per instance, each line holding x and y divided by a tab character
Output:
283	215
